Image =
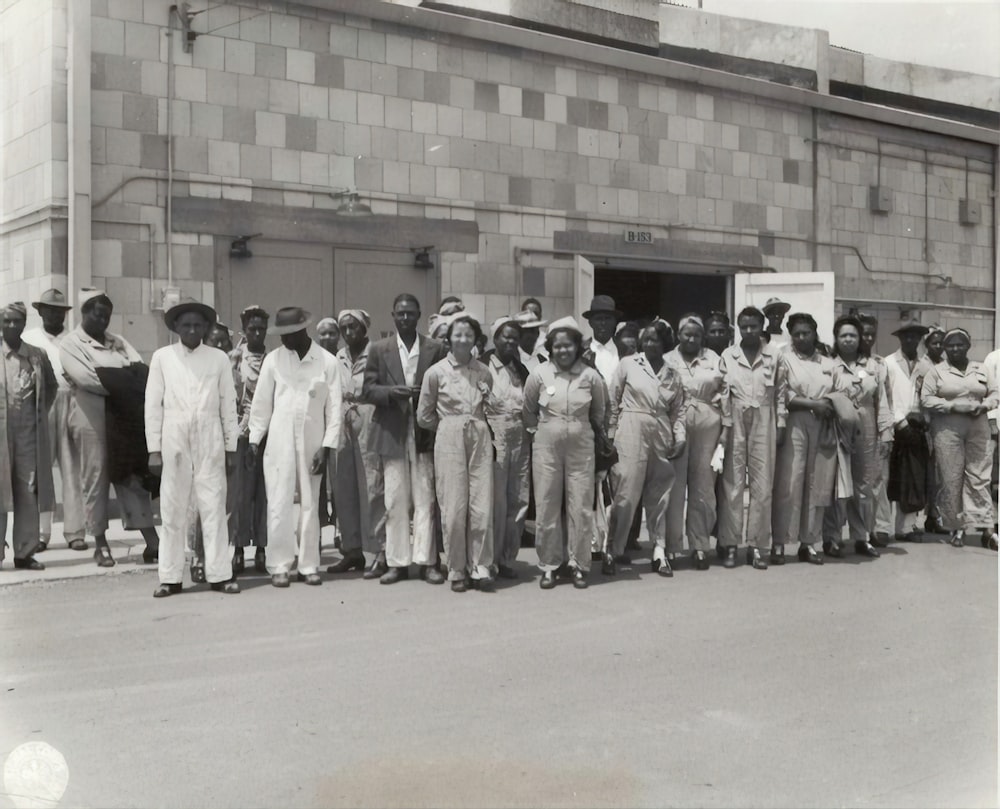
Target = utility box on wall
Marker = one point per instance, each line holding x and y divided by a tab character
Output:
969	212
879	199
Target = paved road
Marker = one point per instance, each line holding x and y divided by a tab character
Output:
856	684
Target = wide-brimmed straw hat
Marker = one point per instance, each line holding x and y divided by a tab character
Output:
172	314
290	319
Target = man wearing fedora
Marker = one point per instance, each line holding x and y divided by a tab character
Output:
52	307
191	434
393	376
297	405
906	371
775	310
531	326
27	390
602	355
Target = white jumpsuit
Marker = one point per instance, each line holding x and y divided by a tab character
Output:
297	405
191	420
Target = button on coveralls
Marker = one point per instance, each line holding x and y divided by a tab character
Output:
648	415
702	382
191	420
297	404
753	407
452	399
564	405
963	450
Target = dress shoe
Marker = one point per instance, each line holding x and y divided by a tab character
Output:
228	587
664	569
309	578
197	571
832	549
487	584
700	560
866	549
879	540
755	559
431	575
957	539
548	580
989	539
165	590
459	586
280	580
239	560
778	555
28	563
505	572
579	580
348	563
78	545
377	568
103	557
608	566
150	555
394	574
807	553
730	558
912	536
41	546
260	560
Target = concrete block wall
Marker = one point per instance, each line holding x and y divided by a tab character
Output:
286	103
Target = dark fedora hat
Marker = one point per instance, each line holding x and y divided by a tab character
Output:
185	306
290	319
910	321
602	304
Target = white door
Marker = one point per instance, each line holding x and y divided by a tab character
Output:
583	290
810	292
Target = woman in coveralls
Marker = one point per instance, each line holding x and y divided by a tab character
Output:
565	401
453	403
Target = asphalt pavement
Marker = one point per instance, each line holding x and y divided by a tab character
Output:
859	683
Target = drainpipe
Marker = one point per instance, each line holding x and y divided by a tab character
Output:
78	269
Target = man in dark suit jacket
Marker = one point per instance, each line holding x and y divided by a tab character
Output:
395	371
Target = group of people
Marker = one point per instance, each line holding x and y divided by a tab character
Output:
459	442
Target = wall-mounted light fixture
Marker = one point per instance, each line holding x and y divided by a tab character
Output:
352	204
239	247
422	258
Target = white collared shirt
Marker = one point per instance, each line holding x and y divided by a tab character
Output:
605	357
40	338
408	358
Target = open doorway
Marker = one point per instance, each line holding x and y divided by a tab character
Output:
643	295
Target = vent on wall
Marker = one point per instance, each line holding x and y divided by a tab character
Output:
879	199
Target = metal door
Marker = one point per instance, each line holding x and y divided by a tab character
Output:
810	292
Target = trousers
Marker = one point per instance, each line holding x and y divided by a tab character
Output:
858	510
963	454
23	447
804	478
642	478
409	489
511	485
563	470
72	501
749	461
696	479
359	487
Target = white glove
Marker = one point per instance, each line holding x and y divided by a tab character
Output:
717	457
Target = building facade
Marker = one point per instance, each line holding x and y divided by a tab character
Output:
658	154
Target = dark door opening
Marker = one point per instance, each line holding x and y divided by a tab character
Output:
645	295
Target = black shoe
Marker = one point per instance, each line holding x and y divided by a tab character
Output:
239	560
808	554
260	560
579	579
150	555
228	587
77	544
486	585
548	580
394	574
377	568
879	540
505	572
459	586
309	578
280	580
700	560
957	539
663	568
832	549
103	557
43	545
348	563
730	558
912	536
866	549
198	571
431	575
778	555
608	566
596	556
165	590
755	559
28	563
988	539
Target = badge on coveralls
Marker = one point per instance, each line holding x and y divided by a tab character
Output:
551	390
